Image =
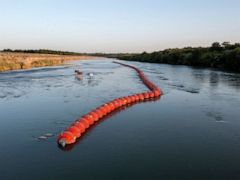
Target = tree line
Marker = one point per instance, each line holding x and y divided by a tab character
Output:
43	51
224	56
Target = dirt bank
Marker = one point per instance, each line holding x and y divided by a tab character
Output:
14	61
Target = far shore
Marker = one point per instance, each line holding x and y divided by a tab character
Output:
15	61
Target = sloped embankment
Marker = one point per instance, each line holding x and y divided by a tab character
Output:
14	61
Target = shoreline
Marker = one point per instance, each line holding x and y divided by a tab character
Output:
10	61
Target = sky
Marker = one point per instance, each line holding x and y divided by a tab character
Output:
117	26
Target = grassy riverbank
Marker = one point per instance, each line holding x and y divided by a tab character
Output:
223	56
14	61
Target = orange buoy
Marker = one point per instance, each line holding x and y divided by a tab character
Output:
94	115
129	100
119	102
103	109
159	91
89	118
99	113
85	122
124	99
156	93
136	97
107	107
75	131
133	99
141	97
111	106
146	95
151	94
116	104
66	138
80	125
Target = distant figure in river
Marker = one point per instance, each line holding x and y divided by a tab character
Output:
78	72
78	75
90	75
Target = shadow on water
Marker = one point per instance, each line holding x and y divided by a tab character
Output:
113	113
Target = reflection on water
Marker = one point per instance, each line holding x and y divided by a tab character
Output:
214	77
191	133
79	77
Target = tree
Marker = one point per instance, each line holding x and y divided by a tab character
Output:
216	46
226	45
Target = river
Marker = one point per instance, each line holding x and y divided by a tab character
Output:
191	132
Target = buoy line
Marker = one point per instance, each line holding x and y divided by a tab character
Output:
69	147
76	129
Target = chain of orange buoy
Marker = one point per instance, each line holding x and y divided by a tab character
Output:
76	129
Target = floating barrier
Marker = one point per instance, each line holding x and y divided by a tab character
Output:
77	129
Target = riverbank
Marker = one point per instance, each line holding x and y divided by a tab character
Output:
14	61
223	56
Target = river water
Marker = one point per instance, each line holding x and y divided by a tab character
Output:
192	132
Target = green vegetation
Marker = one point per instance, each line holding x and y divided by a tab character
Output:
225	56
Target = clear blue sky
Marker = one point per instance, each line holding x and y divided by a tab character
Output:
117	25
